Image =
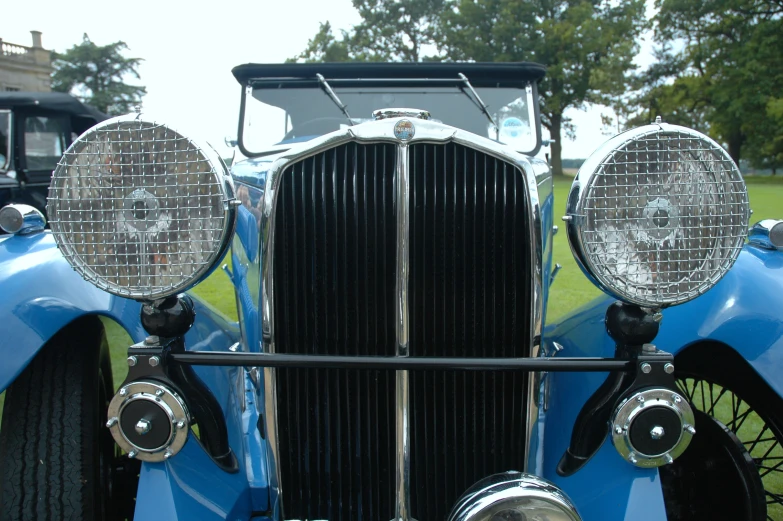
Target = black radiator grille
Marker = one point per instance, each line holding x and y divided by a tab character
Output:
334	283
334	290
470	296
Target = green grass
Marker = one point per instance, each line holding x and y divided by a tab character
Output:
766	197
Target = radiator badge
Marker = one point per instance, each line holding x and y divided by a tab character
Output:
404	130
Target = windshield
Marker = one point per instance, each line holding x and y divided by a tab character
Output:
289	114
5	139
44	141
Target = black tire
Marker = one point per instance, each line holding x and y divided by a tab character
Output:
727	391
56	453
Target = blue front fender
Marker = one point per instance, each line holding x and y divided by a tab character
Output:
40	294
742	311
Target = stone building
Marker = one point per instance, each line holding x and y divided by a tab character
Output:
25	68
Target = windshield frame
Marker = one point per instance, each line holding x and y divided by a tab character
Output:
530	88
8	165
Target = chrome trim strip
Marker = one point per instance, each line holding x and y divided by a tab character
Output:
402	460
270	419
400	113
537	290
383	132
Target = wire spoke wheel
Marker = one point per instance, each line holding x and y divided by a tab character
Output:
758	432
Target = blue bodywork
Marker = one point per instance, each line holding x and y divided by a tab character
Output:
40	294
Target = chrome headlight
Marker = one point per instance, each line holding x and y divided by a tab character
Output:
657	215
140	210
513	496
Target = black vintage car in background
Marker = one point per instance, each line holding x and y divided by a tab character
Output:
35	129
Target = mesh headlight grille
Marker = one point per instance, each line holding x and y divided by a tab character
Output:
138	209
662	216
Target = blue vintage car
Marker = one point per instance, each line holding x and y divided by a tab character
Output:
389	241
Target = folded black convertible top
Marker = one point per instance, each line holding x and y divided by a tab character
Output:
515	74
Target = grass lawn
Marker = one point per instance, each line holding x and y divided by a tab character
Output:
570	290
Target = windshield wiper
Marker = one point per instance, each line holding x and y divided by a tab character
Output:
333	96
481	105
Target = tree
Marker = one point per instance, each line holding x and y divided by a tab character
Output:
587	46
727	72
325	47
390	30
96	73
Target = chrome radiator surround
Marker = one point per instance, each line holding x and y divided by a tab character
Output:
372	133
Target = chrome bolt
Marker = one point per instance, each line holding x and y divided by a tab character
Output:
676	398
618	429
668	368
159	392
167	454
632	458
181	424
132	454
132	361
143	426
123	392
646	368
668	458
690	429
154	361
112	422
640	399
657	432
152	339
657	317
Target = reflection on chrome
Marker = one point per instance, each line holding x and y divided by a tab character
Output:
139	209
513	496
658	215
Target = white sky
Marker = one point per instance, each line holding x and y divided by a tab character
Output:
190	47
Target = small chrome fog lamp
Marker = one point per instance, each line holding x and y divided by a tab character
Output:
767	234
140	210
21	219
513	496
657	215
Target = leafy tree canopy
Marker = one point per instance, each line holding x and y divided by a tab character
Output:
719	70
390	30
96	73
